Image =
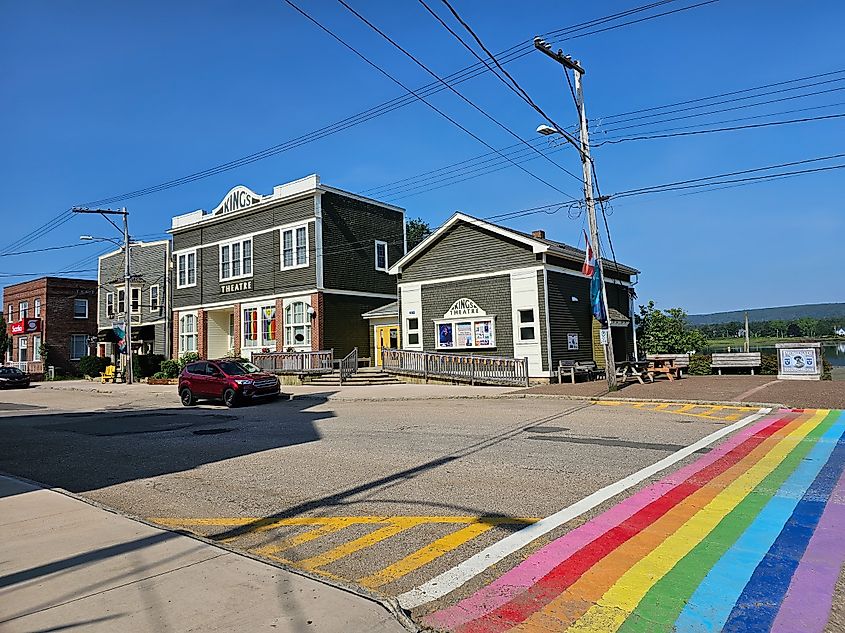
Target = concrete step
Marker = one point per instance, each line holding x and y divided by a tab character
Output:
364	376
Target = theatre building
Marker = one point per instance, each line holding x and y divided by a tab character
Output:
294	269
473	287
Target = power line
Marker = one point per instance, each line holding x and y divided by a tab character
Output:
49	248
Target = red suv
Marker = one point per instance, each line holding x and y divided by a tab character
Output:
231	381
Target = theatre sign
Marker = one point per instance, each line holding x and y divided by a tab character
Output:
238	198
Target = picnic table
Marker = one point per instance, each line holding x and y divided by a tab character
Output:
633	370
664	366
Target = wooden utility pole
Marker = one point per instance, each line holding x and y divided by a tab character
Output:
747	335
587	167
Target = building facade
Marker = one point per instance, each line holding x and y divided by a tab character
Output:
148	303
52	316
480	288
291	270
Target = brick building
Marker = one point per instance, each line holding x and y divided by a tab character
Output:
56	312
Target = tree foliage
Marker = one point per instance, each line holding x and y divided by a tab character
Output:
667	332
5	339
416	231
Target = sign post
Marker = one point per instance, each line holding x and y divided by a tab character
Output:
799	361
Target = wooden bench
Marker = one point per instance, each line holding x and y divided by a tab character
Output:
738	360
574	368
680	361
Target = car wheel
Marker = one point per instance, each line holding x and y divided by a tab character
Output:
187	397
230	398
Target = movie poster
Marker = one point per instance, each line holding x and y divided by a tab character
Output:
483	333
463	334
444	335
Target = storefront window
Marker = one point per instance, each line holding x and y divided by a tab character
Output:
78	346
297	324
36	347
268	325
250	327
188	333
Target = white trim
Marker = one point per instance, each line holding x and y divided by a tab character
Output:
267	202
75	299
548	321
158	297
498	273
184	253
284	295
294	229
230	244
355	196
196	333
386	256
464	571
318	239
132	309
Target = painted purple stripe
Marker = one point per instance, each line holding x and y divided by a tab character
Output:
808	601
527	573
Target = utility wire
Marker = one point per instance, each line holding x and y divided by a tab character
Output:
49	248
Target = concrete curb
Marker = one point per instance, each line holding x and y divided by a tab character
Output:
389	603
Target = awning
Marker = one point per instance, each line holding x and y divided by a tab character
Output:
617	319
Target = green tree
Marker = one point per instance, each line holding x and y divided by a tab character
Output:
416	231
5	339
667	332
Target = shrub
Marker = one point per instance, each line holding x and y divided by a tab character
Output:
170	368
188	357
699	365
160	375
826	369
769	364
92	365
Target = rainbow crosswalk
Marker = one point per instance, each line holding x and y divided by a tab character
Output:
746	538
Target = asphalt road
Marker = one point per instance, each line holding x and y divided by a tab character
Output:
383	494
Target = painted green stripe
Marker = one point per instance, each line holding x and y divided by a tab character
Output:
660	607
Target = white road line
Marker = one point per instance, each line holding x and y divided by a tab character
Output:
461	573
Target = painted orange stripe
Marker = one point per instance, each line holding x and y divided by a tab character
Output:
583	594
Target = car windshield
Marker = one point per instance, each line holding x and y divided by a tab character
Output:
232	368
10	371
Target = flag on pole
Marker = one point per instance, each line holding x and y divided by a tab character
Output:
596	299
120	333
589	264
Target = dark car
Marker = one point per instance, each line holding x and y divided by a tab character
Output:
232	381
13	377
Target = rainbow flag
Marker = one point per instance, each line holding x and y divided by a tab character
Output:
748	538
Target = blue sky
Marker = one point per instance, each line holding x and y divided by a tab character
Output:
101	98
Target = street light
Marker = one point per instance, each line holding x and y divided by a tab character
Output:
546	130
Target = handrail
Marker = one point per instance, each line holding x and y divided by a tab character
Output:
349	365
472	368
308	362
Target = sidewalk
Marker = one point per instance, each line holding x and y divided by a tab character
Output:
69	565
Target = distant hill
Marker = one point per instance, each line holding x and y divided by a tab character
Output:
785	313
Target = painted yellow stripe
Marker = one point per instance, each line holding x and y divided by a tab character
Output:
424	555
662	406
300	539
685	408
622	598
341	551
261	523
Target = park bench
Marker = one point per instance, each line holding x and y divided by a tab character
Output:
111	375
679	361
573	368
737	360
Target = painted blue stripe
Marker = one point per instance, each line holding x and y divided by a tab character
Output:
711	604
760	601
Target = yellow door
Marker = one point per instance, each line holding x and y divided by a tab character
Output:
387	337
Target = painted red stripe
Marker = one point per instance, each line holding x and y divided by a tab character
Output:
568	571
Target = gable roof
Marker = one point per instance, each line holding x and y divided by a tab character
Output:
537	244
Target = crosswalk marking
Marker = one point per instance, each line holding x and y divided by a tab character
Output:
725	413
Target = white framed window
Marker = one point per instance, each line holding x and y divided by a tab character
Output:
465	333
36	347
37	308
188	333
78	346
297	324
258	326
24	309
121	301
109	304
412	327
80	308
294	245
381	255
527	324
249	327
11	313
22	349
135	304
154	301
236	259
186	269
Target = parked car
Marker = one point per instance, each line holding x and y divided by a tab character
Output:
13	377
232	381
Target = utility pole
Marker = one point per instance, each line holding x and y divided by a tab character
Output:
586	165
127	278
747	335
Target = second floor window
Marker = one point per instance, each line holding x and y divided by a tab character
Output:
136	300
37	308
236	259
186	269
109	304
80	308
381	255
24	308
121	301
154	304
11	313
295	247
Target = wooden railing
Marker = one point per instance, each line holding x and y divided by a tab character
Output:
31	367
349	365
296	363
493	370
